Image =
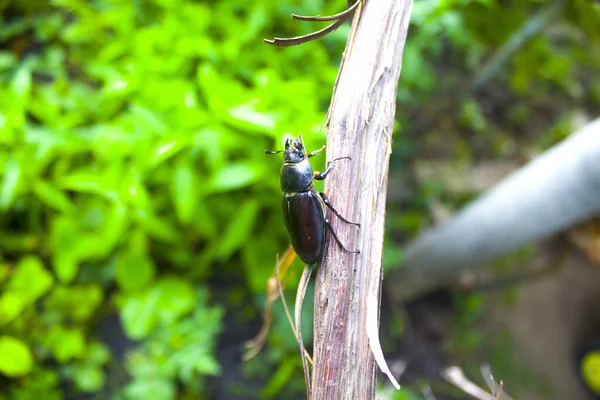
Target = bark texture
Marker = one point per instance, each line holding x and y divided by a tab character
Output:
552	193
361	121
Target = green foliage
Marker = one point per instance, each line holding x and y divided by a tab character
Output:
406	394
177	349
40	384
87	373
28	282
468	338
472	117
132	171
15	357
163	303
512	366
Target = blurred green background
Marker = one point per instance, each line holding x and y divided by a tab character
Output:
139	216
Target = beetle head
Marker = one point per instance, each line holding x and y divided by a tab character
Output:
294	150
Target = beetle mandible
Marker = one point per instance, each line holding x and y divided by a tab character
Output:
304	207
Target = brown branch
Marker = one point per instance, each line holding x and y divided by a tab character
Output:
339	19
345	15
361	121
282	42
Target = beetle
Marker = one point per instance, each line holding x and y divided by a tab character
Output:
303	207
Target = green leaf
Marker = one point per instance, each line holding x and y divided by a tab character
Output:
88	378
234	176
165	302
141	365
15	357
5	270
40	383
30	279
154	122
13	174
177	298
134	270
406	394
239	229
181	350
77	302
279	379
7	60
138	314
190	350
66	266
65	259
205	222
152	388
246	117
21	83
11	305
108	234
158	228
66	343
88	182
184	192
52	196
472	116
167	149
98	353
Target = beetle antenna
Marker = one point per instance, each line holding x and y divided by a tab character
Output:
273	152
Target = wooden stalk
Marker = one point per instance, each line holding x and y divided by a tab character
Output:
361	121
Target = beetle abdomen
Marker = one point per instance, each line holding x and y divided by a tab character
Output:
304	217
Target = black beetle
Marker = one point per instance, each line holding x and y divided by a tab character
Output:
304	207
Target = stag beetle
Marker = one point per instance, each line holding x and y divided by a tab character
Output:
304	207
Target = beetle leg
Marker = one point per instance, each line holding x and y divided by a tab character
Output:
322	175
338	240
328	204
314	153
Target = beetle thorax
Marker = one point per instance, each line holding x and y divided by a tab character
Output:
296	177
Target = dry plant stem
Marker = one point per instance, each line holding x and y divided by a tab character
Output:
297	334
497	389
274	289
300	293
282	42
456	376
345	15
255	345
552	193
361	121
427	393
